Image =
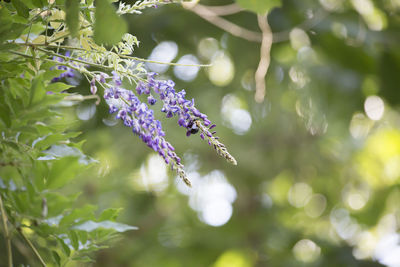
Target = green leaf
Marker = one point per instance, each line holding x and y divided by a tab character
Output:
56	258
58	203
50	74
17	89
83	236
59	151
84	213
72	16
74	239
259	6
37	91
11	31
109	214
109	27
6	46
39	3
21	8
58	87
5	17
83	259
40	170
5	115
90	226
65	247
62	172
46	141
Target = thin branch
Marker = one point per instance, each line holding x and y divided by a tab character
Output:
31	246
74	59
224	24
265	58
165	63
46	59
122	56
225	9
212	14
81	70
6	234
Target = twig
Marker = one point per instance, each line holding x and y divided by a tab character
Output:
81	70
122	56
165	63
31	246
225	9
6	233
212	13
265	58
224	24
46	59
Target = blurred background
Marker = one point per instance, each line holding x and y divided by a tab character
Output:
317	180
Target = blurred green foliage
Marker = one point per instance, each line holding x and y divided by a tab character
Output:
311	181
317	181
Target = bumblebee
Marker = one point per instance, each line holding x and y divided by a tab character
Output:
192	127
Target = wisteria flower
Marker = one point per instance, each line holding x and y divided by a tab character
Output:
138	116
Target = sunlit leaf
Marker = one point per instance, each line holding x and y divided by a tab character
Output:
58	87
60	175
90	226
109	214
56	258
84	213
64	246
74	239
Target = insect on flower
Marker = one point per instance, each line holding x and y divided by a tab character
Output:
192	127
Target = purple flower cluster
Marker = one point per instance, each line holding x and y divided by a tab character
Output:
68	71
137	116
174	103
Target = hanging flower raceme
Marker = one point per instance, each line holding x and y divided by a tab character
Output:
137	115
175	104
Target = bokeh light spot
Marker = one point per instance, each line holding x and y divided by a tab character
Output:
374	107
165	51
233	258
187	73
359	126
217	212
212	197
235	116
207	48
152	175
299	38
315	206
86	112
306	251
299	194
222	71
